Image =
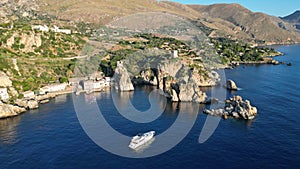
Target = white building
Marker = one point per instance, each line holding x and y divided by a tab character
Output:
97	85
88	85
3	94
91	85
76	80
28	94
53	88
44	90
104	82
58	30
42	28
175	54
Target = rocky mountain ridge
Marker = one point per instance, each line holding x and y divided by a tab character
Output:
220	20
223	20
294	19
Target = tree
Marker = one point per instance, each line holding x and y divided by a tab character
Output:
63	80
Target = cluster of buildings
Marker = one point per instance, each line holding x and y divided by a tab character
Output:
45	28
81	83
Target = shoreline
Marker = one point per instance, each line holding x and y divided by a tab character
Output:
17	109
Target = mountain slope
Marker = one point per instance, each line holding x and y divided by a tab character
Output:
105	11
257	26
220	20
293	19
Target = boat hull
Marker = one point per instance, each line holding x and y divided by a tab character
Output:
138	141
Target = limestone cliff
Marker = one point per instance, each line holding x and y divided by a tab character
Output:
122	79
175	79
190	92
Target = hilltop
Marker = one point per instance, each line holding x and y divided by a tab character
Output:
222	20
294	18
239	22
232	21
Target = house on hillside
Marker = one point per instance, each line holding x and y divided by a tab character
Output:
174	54
76	80
53	88
3	94
90	85
28	94
58	30
42	28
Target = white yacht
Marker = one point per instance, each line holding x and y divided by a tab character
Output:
141	139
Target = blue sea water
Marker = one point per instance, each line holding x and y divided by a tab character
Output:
52	137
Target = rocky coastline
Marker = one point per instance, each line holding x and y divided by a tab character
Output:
172	77
22	105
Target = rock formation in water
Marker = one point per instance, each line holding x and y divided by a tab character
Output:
190	92
122	78
175	79
230	84
235	107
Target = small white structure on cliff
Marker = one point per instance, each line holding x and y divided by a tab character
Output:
58	30
28	94
42	28
174	54
3	94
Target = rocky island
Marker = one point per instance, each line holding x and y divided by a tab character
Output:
235	107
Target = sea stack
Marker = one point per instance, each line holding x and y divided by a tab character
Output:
230	84
122	78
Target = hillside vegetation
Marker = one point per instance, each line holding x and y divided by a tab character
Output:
225	20
33	58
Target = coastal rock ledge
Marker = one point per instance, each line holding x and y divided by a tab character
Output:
7	110
235	107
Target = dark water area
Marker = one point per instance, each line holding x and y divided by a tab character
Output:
52	137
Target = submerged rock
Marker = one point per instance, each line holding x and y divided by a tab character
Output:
235	107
